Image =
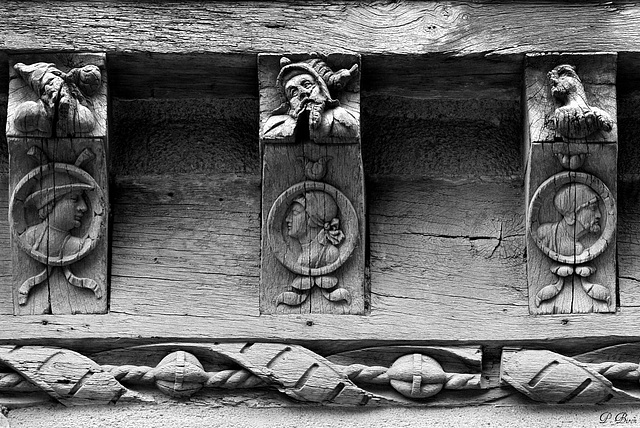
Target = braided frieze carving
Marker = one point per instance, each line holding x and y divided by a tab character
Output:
73	379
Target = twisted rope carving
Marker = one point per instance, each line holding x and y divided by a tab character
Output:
228	379
377	375
618	371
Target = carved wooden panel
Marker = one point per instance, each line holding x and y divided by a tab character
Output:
571	179
312	185
58	208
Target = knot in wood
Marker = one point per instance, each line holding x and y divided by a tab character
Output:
180	374
416	376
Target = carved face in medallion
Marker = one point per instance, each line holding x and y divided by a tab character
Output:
572	217
296	221
68	211
312	228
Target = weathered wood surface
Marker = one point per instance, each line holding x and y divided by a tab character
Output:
164	273
165	49
405	27
57	132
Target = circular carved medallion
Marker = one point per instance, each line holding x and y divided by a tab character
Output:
57	200
572	217
312	228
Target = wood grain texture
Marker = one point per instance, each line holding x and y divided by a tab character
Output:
405	27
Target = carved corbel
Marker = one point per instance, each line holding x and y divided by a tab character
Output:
571	157
57	135
312	185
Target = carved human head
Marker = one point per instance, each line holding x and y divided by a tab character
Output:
579	203
309	212
60	198
301	81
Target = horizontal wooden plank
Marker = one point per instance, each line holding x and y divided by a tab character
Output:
201	49
236	26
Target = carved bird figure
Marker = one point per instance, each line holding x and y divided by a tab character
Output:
575	118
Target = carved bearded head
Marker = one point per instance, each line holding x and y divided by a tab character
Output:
303	89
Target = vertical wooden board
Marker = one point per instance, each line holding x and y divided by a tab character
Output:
571	148
56	294
6	299
288	160
313	185
598	162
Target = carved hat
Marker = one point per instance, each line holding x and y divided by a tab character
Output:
571	198
320	207
37	75
54	186
314	67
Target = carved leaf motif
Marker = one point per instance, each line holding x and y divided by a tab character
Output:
555	379
291	298
67	376
296	371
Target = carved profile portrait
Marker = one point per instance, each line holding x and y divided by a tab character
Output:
572	217
312	220
312	228
57	212
61	205
307	103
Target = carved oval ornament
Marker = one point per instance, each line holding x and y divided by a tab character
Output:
22	216
572	217
287	247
